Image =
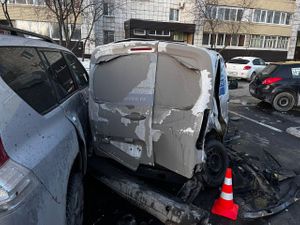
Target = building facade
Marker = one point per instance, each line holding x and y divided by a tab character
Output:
33	15
269	29
265	29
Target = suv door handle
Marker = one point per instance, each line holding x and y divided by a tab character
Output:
135	116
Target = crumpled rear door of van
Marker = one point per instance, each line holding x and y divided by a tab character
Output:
121	108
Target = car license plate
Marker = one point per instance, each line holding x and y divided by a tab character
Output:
233	73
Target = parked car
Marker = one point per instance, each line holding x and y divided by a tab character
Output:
43	131
159	104
244	67
279	85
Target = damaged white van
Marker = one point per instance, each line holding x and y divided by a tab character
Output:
160	105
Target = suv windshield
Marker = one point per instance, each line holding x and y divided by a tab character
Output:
238	61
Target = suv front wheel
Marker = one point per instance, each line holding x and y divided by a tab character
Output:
283	102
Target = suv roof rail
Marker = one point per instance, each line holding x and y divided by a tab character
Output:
22	33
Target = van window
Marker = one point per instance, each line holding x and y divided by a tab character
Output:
115	79
177	85
23	71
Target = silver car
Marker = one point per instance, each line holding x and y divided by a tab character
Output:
43	128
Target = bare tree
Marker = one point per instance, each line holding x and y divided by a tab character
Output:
67	14
94	11
215	19
5	12
70	13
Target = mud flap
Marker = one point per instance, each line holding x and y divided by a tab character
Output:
166	207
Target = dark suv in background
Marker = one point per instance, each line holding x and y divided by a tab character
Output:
278	84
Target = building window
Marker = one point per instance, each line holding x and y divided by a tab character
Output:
270	42
222	13
158	33
211	12
174	14
27	2
178	36
205	39
108	9
139	32
256	17
109	36
273	17
234	40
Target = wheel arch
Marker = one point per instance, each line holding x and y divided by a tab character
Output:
279	91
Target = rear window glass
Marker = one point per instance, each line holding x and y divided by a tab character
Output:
238	61
276	71
23	71
120	80
268	70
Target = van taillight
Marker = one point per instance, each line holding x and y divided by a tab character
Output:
140	49
3	155
247	68
271	80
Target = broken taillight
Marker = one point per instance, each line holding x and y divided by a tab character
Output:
247	68
3	155
271	80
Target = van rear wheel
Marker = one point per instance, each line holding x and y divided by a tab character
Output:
217	162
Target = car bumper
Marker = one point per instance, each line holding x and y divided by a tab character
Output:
262	93
239	74
37	208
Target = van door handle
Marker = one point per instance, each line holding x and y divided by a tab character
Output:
135	116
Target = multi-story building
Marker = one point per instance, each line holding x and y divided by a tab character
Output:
33	15
268	28
265	31
170	20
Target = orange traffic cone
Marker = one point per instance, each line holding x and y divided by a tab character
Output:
224	206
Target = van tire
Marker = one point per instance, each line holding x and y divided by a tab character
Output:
217	162
75	200
284	102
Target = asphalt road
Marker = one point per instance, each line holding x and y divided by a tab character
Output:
256	130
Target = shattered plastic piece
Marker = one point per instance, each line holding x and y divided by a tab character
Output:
235	118
290	198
